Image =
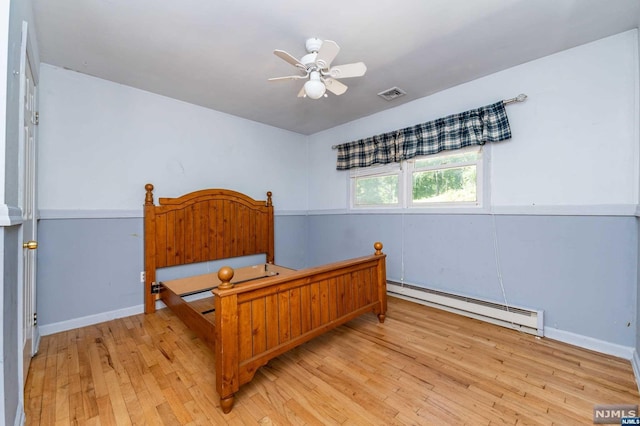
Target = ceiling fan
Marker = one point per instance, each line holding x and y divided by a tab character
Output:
316	67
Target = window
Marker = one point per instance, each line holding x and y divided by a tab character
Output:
446	179
450	178
377	186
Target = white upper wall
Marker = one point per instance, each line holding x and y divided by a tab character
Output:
575	139
574	143
101	142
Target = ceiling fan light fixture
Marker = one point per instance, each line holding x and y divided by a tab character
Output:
314	88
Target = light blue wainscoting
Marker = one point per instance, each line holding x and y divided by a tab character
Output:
91	266
88	267
11	239
581	270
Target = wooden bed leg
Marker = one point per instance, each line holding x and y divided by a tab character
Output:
382	283
149	250
226	340
226	404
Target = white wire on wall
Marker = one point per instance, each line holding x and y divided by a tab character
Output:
496	252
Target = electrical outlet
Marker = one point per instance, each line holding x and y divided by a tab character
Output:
142	276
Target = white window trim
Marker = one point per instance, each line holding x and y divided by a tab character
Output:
405	204
453	205
386	169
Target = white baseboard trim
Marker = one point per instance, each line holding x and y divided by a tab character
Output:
59	327
608	348
71	324
20	415
36	338
635	364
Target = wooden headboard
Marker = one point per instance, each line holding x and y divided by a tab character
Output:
202	226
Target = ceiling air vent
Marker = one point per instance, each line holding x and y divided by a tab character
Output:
390	94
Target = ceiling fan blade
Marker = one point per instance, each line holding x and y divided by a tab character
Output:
348	70
328	51
288	77
334	86
287	57
301	93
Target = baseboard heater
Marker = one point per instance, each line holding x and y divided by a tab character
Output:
527	320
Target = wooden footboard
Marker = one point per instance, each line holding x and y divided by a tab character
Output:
256	322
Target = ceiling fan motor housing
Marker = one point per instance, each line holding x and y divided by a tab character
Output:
313	45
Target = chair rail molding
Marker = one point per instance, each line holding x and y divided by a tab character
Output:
10	215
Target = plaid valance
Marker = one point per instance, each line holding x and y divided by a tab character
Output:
474	127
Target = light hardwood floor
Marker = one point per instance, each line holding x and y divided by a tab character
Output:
422	366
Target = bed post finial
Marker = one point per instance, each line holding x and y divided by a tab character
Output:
148	199
269	203
378	246
225	274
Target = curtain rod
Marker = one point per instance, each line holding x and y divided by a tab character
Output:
520	98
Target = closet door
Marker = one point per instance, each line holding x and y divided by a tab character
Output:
28	147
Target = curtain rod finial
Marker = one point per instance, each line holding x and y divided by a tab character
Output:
520	98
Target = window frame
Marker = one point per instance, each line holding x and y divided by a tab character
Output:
374	171
405	170
411	169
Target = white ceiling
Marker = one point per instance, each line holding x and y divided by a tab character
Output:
219	53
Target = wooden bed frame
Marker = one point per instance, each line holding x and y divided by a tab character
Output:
255	313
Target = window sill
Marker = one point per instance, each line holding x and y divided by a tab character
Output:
421	210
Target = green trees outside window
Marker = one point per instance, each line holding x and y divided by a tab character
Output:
377	190
448	178
457	184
